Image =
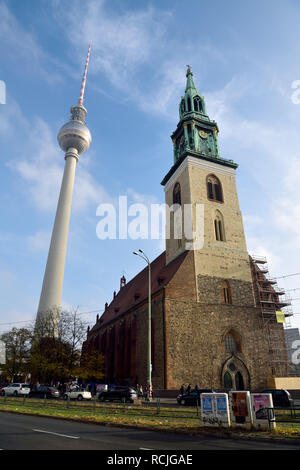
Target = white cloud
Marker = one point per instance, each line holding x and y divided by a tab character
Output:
41	167
120	41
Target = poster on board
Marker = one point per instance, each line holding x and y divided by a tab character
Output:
215	409
240	409
262	418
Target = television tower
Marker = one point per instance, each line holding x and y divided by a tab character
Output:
74	138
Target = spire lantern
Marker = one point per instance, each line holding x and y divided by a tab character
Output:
195	131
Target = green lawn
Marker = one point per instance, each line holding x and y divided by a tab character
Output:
180	419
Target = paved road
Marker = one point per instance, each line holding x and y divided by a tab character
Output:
20	432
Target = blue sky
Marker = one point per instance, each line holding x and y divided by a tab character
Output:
245	57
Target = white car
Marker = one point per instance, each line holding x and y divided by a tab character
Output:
16	389
77	394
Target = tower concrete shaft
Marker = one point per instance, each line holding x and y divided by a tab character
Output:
74	139
51	294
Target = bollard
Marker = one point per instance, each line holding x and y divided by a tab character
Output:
158	405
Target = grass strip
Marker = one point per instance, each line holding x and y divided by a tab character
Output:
185	421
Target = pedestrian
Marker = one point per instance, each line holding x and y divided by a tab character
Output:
196	388
189	388
182	389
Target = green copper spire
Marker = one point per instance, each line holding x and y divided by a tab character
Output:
192	102
190	86
195	131
196	135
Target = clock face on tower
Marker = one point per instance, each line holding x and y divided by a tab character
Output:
203	134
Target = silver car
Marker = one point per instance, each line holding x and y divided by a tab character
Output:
16	389
77	394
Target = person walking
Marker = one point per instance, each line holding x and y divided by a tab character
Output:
189	388
182	389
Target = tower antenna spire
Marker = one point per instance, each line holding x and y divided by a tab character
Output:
80	100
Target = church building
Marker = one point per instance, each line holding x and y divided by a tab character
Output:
216	316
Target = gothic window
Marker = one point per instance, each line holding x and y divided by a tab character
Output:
230	344
219	227
214	189
197	104
232	341
226	293
239	381
177	194
189	104
227	380
182	106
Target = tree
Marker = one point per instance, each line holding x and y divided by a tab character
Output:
91	366
18	345
56	349
51	350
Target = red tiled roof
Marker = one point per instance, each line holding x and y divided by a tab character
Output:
136	290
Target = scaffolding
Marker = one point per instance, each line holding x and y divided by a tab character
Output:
271	299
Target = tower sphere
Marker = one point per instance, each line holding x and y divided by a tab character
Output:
75	134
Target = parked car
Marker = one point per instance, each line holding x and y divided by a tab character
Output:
193	398
128	394
281	398
77	394
42	390
16	389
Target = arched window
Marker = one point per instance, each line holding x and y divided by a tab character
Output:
197	104
226	293
219	227
232	341
177	194
227	380
182	106
230	344
239	381
189	104
214	189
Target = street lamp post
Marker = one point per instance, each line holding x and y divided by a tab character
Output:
142	255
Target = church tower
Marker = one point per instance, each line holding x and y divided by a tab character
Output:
201	188
213	308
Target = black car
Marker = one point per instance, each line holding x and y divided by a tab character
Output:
42	390
128	394
193	398
281	398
